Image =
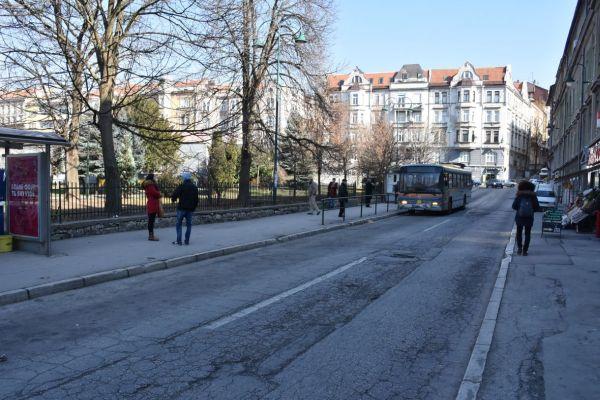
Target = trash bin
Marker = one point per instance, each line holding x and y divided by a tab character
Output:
5	243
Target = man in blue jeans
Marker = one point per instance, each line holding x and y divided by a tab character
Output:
187	195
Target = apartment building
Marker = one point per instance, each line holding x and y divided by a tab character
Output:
484	117
575	106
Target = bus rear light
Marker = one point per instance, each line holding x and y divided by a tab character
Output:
404	202
435	204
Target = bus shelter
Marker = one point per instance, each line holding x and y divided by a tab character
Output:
26	187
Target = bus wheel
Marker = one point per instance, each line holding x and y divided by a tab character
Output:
450	206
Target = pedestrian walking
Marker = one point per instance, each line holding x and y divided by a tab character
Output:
152	204
343	199
368	192
525	204
187	196
332	189
312	197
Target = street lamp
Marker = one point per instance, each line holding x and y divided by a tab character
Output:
298	38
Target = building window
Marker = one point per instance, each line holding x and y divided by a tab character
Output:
400	116
401	101
354	118
486	77
371	80
490	158
497	116
416	116
404	76
489	96
376	99
466	95
465	116
444	97
488	115
354	99
496	136
464	157
437	98
464	137
497	96
381	81
357	79
467	75
444	115
437	116
488	136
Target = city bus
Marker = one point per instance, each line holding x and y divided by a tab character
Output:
433	187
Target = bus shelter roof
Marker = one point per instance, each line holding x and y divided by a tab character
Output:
17	138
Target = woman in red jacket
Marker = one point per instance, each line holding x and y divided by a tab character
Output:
152	205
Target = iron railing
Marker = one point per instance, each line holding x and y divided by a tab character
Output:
87	202
372	201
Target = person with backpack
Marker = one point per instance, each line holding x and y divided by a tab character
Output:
525	204
152	204
187	194
368	192
343	199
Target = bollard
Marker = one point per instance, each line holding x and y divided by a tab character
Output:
361	203
387	203
376	204
322	212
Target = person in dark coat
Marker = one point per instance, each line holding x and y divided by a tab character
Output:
152	203
343	198
368	192
187	195
525	204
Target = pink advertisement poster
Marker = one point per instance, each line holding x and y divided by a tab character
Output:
23	195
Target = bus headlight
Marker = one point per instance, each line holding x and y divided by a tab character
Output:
434	204
404	202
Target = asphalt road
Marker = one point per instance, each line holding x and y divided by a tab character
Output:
388	310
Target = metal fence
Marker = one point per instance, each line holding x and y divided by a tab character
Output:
87	202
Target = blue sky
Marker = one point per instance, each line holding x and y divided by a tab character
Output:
381	35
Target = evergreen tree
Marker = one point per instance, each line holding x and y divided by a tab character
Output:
223	165
294	155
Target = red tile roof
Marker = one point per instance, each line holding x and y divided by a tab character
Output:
437	77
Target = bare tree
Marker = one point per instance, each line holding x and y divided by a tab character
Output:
419	145
377	150
245	39
341	146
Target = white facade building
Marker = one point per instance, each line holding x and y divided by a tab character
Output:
482	114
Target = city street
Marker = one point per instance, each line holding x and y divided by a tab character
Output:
384	310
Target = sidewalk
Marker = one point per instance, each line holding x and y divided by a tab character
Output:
547	339
77	257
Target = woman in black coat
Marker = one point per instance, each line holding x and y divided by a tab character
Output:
525	205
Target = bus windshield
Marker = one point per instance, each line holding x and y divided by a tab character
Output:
420	181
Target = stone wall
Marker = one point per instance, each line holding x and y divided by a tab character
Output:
122	224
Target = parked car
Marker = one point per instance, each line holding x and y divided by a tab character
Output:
494	184
510	184
546	196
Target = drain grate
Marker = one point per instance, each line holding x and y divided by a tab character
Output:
403	256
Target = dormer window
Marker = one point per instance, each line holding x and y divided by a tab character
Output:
380	81
404	76
419	75
357	79
486	77
467	75
371	80
340	83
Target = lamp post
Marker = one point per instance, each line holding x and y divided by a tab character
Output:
570	82
298	38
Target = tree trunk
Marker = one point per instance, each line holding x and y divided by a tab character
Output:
111	170
247	103
319	171
246	158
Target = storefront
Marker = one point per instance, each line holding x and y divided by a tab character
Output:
593	165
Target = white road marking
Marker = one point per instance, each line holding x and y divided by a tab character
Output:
474	372
246	311
435	226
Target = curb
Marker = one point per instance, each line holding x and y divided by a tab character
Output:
32	292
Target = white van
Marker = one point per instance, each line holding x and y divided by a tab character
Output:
546	196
